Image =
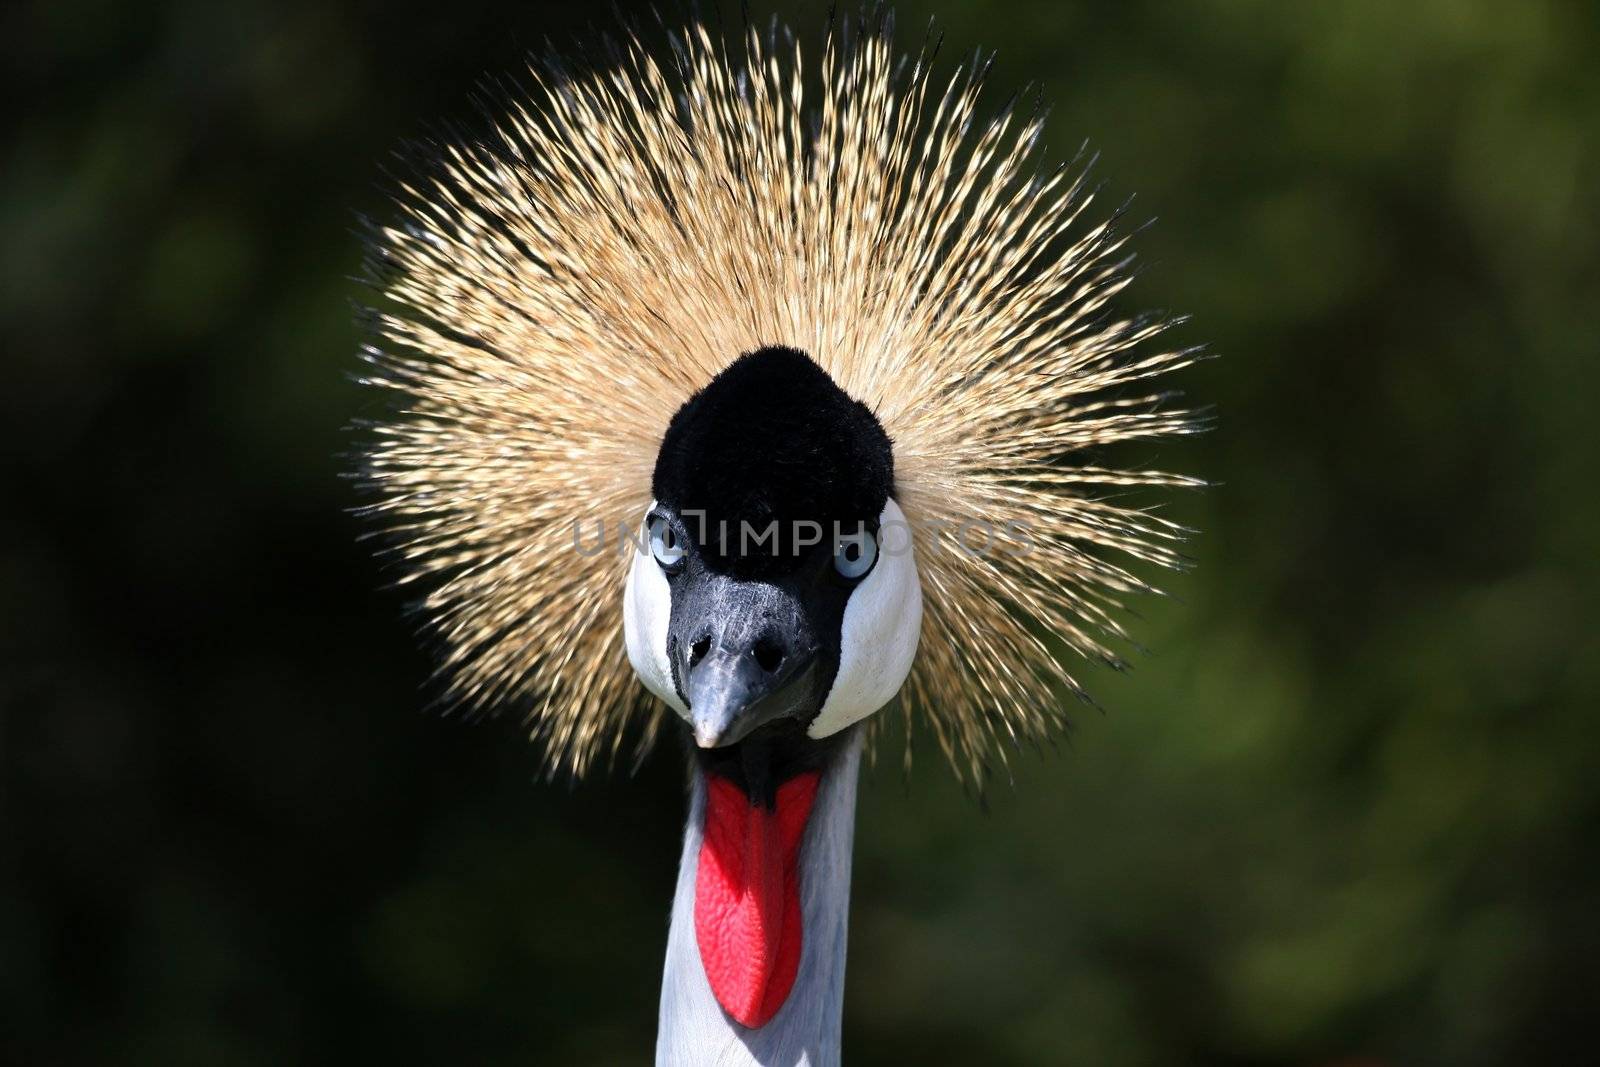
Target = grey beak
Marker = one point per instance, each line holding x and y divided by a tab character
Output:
733	693
744	655
723	686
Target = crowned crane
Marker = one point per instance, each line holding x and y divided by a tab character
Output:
841	371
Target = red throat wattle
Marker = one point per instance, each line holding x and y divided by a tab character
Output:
747	917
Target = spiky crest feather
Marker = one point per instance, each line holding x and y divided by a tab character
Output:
552	295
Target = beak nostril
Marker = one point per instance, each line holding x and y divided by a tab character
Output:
768	654
698	650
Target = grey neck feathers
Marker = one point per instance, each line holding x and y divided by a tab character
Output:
693	1029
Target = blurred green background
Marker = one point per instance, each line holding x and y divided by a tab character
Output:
1347	814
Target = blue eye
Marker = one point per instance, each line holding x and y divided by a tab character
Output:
854	554
665	544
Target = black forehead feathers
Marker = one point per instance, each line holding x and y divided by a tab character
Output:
773	438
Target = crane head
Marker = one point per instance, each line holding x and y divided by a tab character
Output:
773	584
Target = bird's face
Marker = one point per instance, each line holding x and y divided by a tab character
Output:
826	643
774	579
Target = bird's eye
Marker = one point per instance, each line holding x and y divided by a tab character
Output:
665	545
854	554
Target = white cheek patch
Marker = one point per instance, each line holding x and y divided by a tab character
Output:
879	637
646	612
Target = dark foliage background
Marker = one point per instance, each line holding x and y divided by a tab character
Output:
1346	815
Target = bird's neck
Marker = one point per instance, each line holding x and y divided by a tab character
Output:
761	909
